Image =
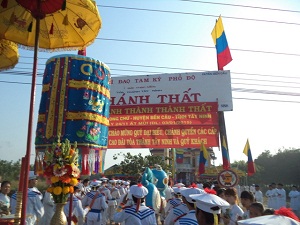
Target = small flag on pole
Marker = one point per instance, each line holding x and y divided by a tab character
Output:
203	158
247	152
223	51
179	156
225	155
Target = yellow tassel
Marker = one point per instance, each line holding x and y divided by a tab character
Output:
66	20
216	221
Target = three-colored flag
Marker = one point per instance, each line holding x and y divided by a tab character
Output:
225	155
202	160
179	156
247	152
223	51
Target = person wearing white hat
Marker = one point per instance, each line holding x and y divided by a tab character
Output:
139	213
94	203
179	185
34	208
77	209
119	186
208	207
175	200
106	193
177	207
113	201
32	183
190	217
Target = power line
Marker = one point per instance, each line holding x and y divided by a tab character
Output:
244	6
197	14
166	67
196	46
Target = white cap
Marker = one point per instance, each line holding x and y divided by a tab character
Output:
178	189
104	179
32	176
209	202
138	191
190	191
126	183
112	181
269	220
179	185
95	183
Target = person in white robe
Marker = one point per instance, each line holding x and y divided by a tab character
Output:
281	196
258	195
294	195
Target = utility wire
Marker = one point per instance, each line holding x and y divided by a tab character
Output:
243	6
197	14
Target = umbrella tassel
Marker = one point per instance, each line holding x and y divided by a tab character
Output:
4	3
51	29
64	5
66	20
29	29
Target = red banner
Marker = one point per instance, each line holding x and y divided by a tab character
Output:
164	126
163	137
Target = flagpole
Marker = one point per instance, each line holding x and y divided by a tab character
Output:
222	125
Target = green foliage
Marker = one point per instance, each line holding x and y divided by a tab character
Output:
10	170
134	165
282	167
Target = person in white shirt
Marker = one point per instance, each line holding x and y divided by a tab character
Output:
271	194
95	202
234	211
294	195
77	216
281	196
139	213
34	207
114	201
4	199
208	208
190	216
32	184
258	195
48	204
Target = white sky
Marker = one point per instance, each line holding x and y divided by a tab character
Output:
171	36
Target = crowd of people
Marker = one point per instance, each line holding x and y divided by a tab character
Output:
120	202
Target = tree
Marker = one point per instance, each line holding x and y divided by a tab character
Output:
10	170
134	165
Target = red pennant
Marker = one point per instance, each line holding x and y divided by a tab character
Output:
51	29
4	3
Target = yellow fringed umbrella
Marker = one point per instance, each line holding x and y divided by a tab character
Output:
73	25
9	54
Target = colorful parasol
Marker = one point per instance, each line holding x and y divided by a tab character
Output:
51	25
65	24
9	54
